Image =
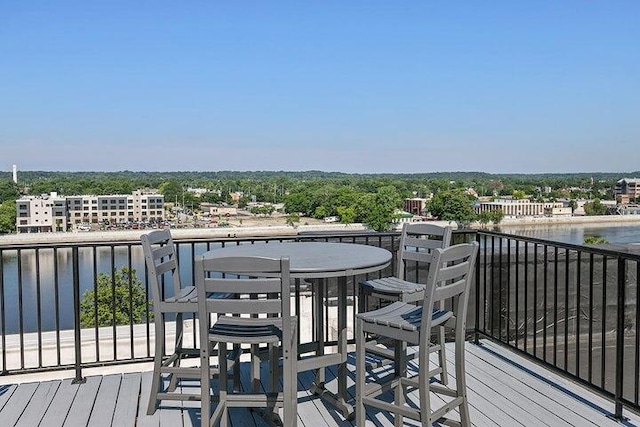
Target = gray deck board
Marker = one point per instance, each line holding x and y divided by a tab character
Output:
38	404
82	405
18	402
60	405
504	389
127	404
105	403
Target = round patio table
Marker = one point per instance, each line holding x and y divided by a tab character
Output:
320	260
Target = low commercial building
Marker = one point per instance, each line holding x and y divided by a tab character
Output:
516	208
48	213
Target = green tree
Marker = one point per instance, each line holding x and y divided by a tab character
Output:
8	216
8	191
594	208
347	214
172	191
496	216
292	219
595	240
380	208
130	300
453	205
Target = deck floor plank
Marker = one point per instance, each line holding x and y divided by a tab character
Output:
127	403
18	403
504	389
83	404
37	406
581	406
105	403
5	394
61	404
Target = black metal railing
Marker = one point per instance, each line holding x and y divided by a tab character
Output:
42	288
572	308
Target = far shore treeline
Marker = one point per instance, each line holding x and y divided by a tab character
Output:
351	197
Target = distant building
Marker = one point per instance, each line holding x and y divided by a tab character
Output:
416	206
36	214
52	213
629	187
515	208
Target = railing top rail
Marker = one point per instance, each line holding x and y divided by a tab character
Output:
583	248
203	239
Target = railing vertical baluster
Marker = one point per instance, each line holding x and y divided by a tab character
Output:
535	299
555	306
493	287
3	317
590	354
526	296
20	310
56	295
622	279
636	385
508	316
112	267
130	266
476	338
500	296
545	299
76	316
578	304
517	291
566	309
38	307
603	326
96	324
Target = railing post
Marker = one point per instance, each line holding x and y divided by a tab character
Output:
622	276
76	316
476	338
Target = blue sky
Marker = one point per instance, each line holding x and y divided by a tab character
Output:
350	86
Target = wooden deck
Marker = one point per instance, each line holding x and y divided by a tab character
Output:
504	390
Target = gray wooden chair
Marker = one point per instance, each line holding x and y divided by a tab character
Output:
259	314
162	268
450	276
417	242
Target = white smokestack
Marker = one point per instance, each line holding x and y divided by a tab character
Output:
15	174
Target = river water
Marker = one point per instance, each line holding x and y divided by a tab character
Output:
575	234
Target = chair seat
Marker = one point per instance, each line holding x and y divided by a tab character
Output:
403	316
240	330
393	286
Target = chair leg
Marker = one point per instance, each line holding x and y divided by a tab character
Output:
157	364
361	373
177	349
290	380
461	382
442	357
205	387
222	386
424	391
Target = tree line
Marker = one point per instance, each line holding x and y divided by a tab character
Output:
369	198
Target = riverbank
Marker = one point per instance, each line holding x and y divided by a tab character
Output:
598	221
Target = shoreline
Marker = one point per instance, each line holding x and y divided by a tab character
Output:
286	230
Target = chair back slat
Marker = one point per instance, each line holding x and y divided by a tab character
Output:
162	251
450	276
244	277
161	262
242	285
417	242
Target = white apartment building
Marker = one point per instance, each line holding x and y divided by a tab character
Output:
515	208
36	214
53	213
